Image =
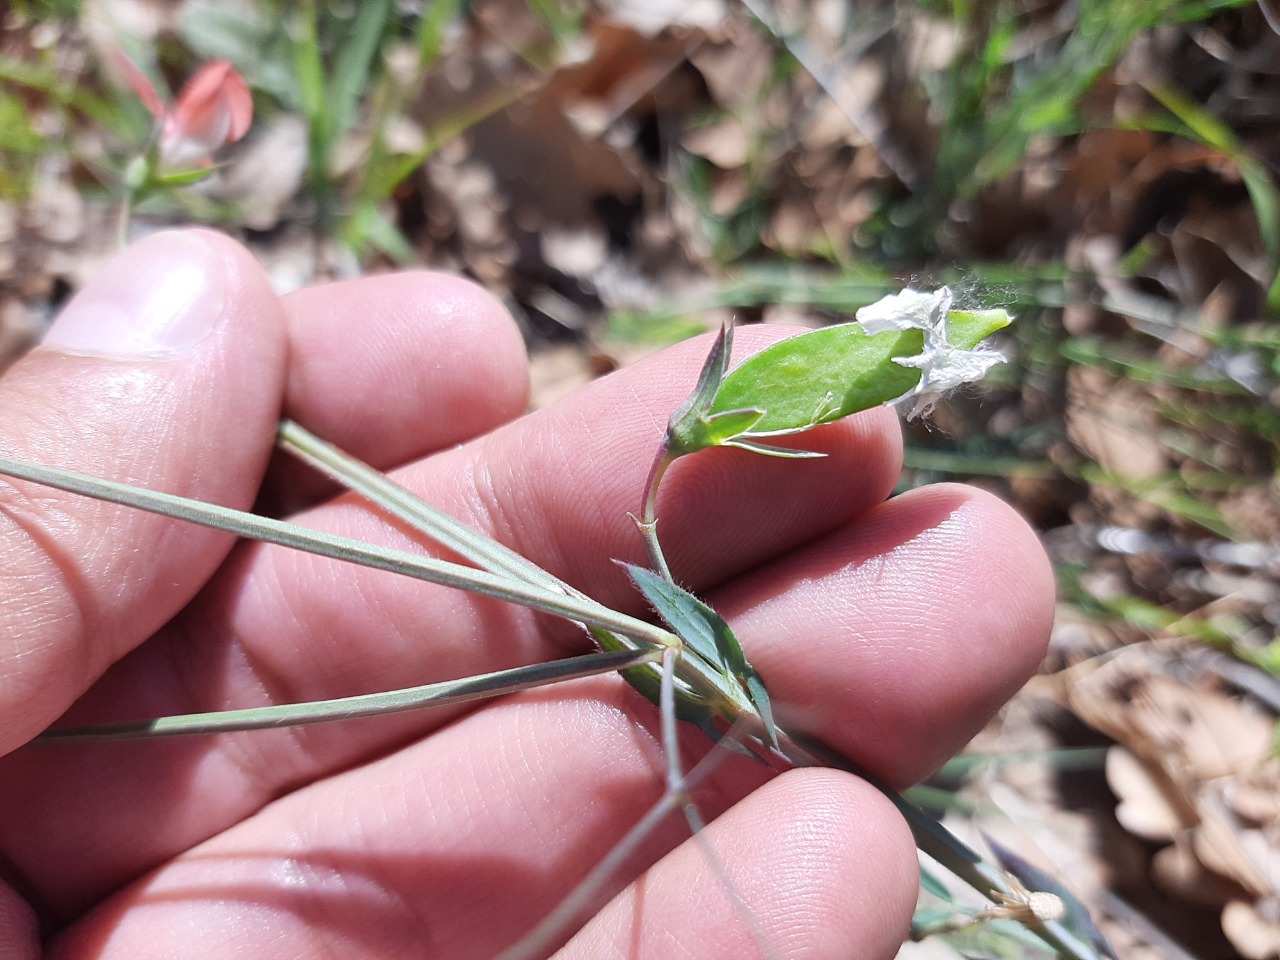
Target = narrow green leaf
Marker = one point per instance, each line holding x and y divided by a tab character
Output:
309	70
479	687
931	884
708	635
291	535
369	224
379	489
354	63
432	25
692	620
181	178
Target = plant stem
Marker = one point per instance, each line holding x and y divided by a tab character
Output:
648	522
667	714
553	926
122	219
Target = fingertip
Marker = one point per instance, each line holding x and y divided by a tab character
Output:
999	580
1015	560
842	864
895	638
816	864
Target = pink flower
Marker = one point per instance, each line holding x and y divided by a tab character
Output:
213	109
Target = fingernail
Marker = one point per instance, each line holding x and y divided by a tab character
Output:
158	299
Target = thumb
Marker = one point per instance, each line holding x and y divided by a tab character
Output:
166	371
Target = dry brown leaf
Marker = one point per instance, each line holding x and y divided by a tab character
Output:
1191	733
726	144
1113	423
1221	848
1145	808
1256	936
1255	805
1179	872
624	67
737	65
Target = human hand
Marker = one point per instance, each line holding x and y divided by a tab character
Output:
891	630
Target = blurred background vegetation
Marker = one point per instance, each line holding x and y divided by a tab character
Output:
625	173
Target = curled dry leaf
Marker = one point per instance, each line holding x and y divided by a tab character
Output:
1146	808
1180	874
1191	733
1194	768
1254	931
1114	423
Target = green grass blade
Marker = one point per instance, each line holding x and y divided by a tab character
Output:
1200	125
354	63
379	489
432	24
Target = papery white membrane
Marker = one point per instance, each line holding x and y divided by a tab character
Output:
942	367
908	310
947	367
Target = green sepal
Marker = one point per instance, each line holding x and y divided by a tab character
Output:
143	177
685	427
716	430
707	635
